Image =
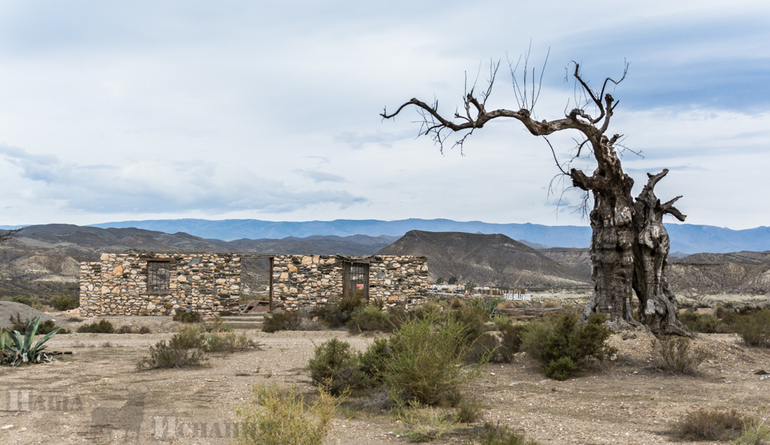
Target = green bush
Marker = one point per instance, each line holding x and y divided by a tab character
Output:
65	302
185	349
562	345
678	356
226	342
753	327
425	361
187	317
705	323
339	314
100	327
164	355
334	368
372	362
282	321
276	416
703	425
474	317
371	318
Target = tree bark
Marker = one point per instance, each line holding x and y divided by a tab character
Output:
658	307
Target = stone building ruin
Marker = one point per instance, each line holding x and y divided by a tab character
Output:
211	283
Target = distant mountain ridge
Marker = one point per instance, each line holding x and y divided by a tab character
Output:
685	238
485	259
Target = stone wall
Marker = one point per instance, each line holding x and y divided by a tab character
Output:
302	282
117	284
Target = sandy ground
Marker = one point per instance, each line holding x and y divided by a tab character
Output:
96	395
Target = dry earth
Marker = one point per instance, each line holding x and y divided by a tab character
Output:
96	395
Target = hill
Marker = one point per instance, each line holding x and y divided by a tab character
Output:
484	259
685	238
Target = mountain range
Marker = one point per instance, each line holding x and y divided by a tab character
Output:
685	238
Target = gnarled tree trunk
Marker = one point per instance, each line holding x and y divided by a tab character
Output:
657	303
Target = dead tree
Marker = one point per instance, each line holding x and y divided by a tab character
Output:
629	244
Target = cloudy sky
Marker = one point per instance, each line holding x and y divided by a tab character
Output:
270	110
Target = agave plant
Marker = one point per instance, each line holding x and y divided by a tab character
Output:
21	348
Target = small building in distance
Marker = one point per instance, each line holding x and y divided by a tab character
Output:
210	283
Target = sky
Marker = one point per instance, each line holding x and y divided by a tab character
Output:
114	111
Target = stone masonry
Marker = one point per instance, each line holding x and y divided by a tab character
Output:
302	282
209	283
118	284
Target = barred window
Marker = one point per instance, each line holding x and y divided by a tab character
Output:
158	277
356	280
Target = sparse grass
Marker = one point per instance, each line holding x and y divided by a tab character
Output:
29	301
678	356
424	424
497	434
276	416
705	425
371	318
754	432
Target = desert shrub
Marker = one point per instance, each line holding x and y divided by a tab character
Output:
336	315
187	317
705	323
127	329
185	349
65	302
562	345
189	337
282	321
425	361
97	327
484	348
216	325
473	317
334	368
497	434
754	328
226	342
678	356
29	301
371	318
705	425
372	362
165	355
276	416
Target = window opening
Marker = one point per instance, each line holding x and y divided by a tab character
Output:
158	277
356	279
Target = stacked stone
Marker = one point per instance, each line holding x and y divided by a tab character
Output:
117	285
303	282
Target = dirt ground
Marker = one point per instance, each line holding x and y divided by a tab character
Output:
96	395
